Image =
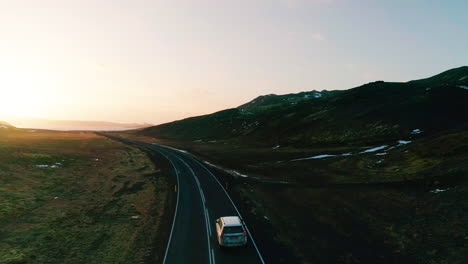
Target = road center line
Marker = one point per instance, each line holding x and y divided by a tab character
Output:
208	221
203	197
204	208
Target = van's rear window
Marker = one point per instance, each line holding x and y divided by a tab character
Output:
233	229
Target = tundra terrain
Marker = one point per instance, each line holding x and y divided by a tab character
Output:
76	197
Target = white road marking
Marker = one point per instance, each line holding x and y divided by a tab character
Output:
208	233
198	182
213	256
207	221
203	197
175	213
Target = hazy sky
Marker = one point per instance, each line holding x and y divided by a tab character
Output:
156	61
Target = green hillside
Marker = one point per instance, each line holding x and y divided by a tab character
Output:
371	113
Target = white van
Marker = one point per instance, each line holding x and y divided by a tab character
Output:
230	231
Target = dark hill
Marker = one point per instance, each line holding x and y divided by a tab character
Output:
374	112
457	76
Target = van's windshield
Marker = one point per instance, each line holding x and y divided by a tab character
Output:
233	229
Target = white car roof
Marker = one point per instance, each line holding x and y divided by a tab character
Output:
231	221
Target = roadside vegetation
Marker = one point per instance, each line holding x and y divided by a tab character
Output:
76	197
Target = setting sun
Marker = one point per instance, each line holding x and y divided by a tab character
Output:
24	92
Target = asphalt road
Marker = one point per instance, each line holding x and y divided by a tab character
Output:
201	199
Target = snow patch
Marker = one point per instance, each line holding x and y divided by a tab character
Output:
463	87
316	157
183	151
198	140
236	173
53	166
3	126
212	165
315	95
463	78
379	161
275	147
322	156
373	149
403	142
232	172
439	190
416	131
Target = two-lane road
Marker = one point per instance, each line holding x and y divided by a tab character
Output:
201	199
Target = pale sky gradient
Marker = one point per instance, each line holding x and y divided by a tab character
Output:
156	61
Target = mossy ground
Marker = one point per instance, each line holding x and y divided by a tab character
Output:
102	203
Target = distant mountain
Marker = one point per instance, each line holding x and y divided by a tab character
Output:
41	123
5	125
374	112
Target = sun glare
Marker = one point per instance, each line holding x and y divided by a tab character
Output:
23	93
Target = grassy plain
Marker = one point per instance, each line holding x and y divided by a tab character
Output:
76	197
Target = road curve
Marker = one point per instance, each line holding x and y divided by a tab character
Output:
201	199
